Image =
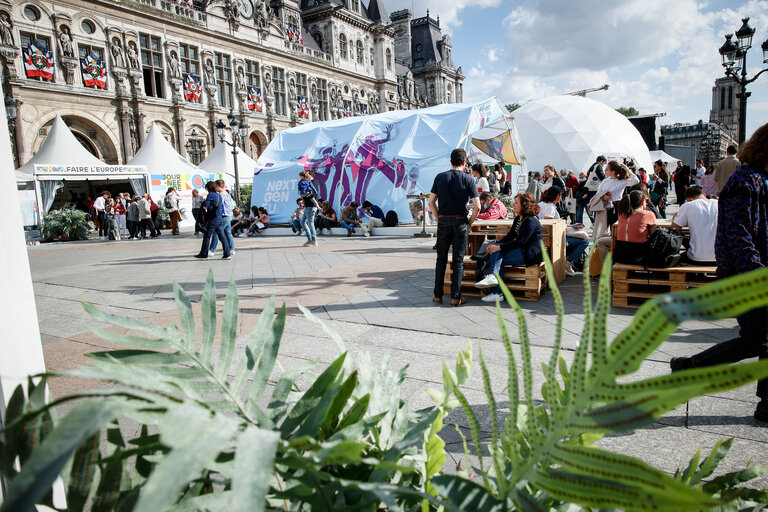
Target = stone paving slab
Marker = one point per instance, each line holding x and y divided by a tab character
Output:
377	294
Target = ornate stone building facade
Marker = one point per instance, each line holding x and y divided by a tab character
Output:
111	68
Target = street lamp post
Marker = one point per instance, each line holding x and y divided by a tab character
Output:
194	148
734	56
239	133
11	110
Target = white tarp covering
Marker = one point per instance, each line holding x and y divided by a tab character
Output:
381	158
60	148
167	168
571	131
220	161
664	157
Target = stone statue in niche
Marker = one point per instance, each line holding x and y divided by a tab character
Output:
240	80
133	55
118	60
210	73
174	67
65	42
292	97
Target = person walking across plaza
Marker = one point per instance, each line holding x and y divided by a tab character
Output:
726	167
213	207
132	218
308	194
145	216
99	205
453	189
227	211
197	204
741	245
171	203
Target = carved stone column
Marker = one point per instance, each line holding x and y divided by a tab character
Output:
9	55
180	138
125	127
140	128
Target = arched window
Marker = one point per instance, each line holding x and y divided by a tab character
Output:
343	46
389	59
319	39
359	52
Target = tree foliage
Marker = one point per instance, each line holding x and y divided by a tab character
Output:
511	107
628	111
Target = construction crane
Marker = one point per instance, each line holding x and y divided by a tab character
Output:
583	92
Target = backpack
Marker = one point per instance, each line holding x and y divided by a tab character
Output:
390	219
168	202
663	249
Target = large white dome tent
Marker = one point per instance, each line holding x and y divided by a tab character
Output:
571	131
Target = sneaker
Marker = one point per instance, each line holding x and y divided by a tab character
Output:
298	233
293	229
232	252
488	281
308	243
315	244
200	256
761	413
569	270
226	257
681	363
367	233
212	253
493	297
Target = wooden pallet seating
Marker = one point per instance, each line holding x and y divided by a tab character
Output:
634	284
525	283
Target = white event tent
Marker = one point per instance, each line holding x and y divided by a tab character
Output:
167	168
62	158
220	161
664	157
571	131
384	158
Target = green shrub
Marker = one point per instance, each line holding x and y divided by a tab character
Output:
210	438
66	224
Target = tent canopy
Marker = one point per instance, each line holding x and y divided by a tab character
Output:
160	157
571	131
382	158
59	148
220	161
663	156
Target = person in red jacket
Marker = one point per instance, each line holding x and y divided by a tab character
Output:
491	207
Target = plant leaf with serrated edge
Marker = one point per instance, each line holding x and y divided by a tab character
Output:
254	347
208	317
39	472
108	491
340	402
707	467
82	473
268	357
730	480
254	462
187	318
465	494
228	331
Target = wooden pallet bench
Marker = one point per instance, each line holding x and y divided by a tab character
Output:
634	284
525	283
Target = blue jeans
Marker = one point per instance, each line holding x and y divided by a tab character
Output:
513	257
451	232
215	226
581	207
296	223
308	223
227	225
575	247
347	225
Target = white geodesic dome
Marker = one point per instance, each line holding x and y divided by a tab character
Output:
571	131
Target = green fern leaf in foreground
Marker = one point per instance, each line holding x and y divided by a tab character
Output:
541	461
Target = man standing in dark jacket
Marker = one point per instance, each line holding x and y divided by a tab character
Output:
453	189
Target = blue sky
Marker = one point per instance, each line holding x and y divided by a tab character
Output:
656	55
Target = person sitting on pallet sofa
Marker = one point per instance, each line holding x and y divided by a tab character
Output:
520	247
636	224
491	208
700	215
574	245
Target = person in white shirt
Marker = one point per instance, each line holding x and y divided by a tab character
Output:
172	206
479	172
700	215
611	189
100	205
700	170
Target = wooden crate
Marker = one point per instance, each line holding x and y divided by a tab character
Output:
633	284
525	283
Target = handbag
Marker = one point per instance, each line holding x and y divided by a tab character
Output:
570	202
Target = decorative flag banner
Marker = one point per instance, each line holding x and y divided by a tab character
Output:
303	108
94	71
38	61
294	34
498	148
254	98
192	88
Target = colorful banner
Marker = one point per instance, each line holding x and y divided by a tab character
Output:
254	99
302	107
293	33
89	169
38	61
499	148
184	184
382	158
192	88
94	71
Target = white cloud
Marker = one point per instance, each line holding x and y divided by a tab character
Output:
447	11
491	54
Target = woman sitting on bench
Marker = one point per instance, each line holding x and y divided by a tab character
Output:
635	227
520	247
574	245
